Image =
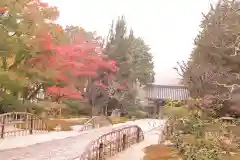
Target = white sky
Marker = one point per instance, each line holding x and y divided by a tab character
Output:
167	26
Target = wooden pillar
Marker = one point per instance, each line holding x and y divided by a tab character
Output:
160	114
31	125
161	108
3	127
101	154
124	141
155	111
158	109
151	111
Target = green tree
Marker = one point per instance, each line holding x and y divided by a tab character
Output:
132	55
73	31
213	68
21	23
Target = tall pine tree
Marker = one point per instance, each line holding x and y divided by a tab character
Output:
132	56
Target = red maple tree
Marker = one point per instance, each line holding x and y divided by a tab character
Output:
69	62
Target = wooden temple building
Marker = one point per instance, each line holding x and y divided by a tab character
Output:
156	95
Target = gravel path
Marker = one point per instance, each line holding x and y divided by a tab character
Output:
67	148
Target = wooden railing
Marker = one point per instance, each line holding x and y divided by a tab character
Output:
111	143
20	123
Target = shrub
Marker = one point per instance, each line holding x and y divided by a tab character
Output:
198	137
173	103
175	112
137	114
76	108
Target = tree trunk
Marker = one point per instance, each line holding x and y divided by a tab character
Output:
106	110
31	95
94	110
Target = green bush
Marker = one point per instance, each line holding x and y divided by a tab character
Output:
175	112
173	103
76	108
20	107
195	136
137	114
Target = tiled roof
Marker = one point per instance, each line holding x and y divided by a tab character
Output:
167	92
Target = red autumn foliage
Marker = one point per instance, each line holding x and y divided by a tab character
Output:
122	87
100	84
69	62
43	4
3	9
64	92
59	29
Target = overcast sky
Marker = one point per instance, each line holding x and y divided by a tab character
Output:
167	26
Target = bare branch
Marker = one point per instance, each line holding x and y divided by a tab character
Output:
237	75
231	88
178	72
